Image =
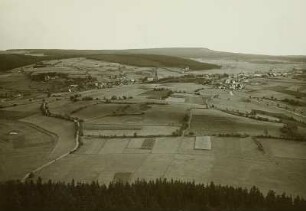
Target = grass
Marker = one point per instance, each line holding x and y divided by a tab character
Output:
217	122
282	89
13	115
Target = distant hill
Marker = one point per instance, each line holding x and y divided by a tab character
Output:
155	57
152	60
17	58
178	52
11	61
210	54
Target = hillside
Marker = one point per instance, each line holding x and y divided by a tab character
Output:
179	52
150	60
210	54
152	57
10	61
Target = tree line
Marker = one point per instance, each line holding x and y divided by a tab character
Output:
158	195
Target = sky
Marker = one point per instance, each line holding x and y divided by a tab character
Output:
275	27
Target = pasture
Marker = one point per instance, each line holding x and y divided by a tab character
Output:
214	122
63	130
23	147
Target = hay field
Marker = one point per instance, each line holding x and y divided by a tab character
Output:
63	129
97	111
67	107
129	130
209	122
145	114
23	147
181	87
119	91
231	161
132	119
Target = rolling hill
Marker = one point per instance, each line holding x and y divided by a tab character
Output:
177	52
15	59
151	57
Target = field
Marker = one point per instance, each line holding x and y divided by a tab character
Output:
131	120
127	90
23	146
129	131
133	114
157	94
231	161
63	129
214	122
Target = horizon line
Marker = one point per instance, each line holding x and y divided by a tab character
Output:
151	48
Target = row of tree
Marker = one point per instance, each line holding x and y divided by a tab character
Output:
140	195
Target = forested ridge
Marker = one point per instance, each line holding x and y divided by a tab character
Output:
11	61
141	195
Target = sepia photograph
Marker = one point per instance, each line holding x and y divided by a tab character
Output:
152	105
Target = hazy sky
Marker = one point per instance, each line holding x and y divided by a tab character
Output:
249	26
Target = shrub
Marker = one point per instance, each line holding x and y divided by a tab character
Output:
87	98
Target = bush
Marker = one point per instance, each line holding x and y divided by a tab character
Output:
87	98
191	133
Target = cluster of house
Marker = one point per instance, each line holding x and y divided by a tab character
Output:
276	74
270	74
103	85
110	84
153	76
185	69
233	83
238	81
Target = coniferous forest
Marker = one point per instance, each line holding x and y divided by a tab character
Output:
141	195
